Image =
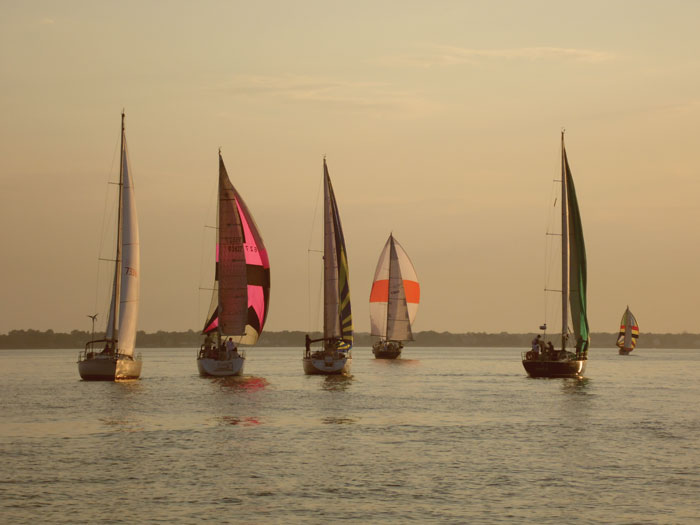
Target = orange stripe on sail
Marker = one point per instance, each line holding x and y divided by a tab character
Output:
412	289
380	291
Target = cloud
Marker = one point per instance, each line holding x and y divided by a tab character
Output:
374	96
437	56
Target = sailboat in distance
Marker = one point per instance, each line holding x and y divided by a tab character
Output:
629	333
112	357
542	361
393	301
241	293
335	356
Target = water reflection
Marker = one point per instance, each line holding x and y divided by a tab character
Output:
397	362
240	383
337	383
338	420
232	420
576	386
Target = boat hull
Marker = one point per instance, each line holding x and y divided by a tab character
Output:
382	352
220	367
625	351
109	369
321	366
546	368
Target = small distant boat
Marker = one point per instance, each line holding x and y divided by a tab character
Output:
545	362
113	358
241	293
629	333
335	357
393	301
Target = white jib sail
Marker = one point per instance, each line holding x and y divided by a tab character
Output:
130	264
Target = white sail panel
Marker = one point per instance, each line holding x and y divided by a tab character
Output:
378	299
130	264
410	281
398	326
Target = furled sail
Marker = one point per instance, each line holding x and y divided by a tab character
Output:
124	306
577	266
395	294
242	279
629	331
337	313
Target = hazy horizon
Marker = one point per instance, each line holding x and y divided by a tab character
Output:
440	123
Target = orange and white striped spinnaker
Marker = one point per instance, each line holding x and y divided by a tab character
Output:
393	301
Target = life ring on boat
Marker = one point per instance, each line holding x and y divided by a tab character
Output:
530	356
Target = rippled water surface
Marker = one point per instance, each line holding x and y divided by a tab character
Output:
442	435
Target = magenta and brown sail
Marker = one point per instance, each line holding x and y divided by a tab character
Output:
241	295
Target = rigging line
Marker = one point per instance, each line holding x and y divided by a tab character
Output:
104	218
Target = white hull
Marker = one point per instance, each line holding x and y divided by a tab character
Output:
109	369
219	368
327	366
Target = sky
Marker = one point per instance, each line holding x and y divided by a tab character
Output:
440	122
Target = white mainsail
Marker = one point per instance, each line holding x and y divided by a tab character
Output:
124	305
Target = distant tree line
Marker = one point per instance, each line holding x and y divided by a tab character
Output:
18	339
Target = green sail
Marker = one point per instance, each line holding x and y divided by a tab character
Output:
577	268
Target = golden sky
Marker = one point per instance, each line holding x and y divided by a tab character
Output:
440	122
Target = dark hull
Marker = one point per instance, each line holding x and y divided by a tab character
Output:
574	368
386	354
625	351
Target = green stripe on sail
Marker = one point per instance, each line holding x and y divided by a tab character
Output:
577	268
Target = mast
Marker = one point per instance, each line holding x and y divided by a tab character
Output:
564	250
118	257
218	247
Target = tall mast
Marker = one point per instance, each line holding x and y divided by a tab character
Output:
218	247
564	249
118	256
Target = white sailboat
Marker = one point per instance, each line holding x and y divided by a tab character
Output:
113	357
335	356
241	293
393	301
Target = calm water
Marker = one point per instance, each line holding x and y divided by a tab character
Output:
443	435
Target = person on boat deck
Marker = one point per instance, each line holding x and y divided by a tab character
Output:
208	342
108	349
308	344
550	347
231	347
536	343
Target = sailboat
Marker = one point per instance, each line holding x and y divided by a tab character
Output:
241	293
113	357
548	362
629	333
335	356
393	301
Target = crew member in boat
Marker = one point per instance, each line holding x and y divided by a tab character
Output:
307	343
550	347
536	343
231	348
